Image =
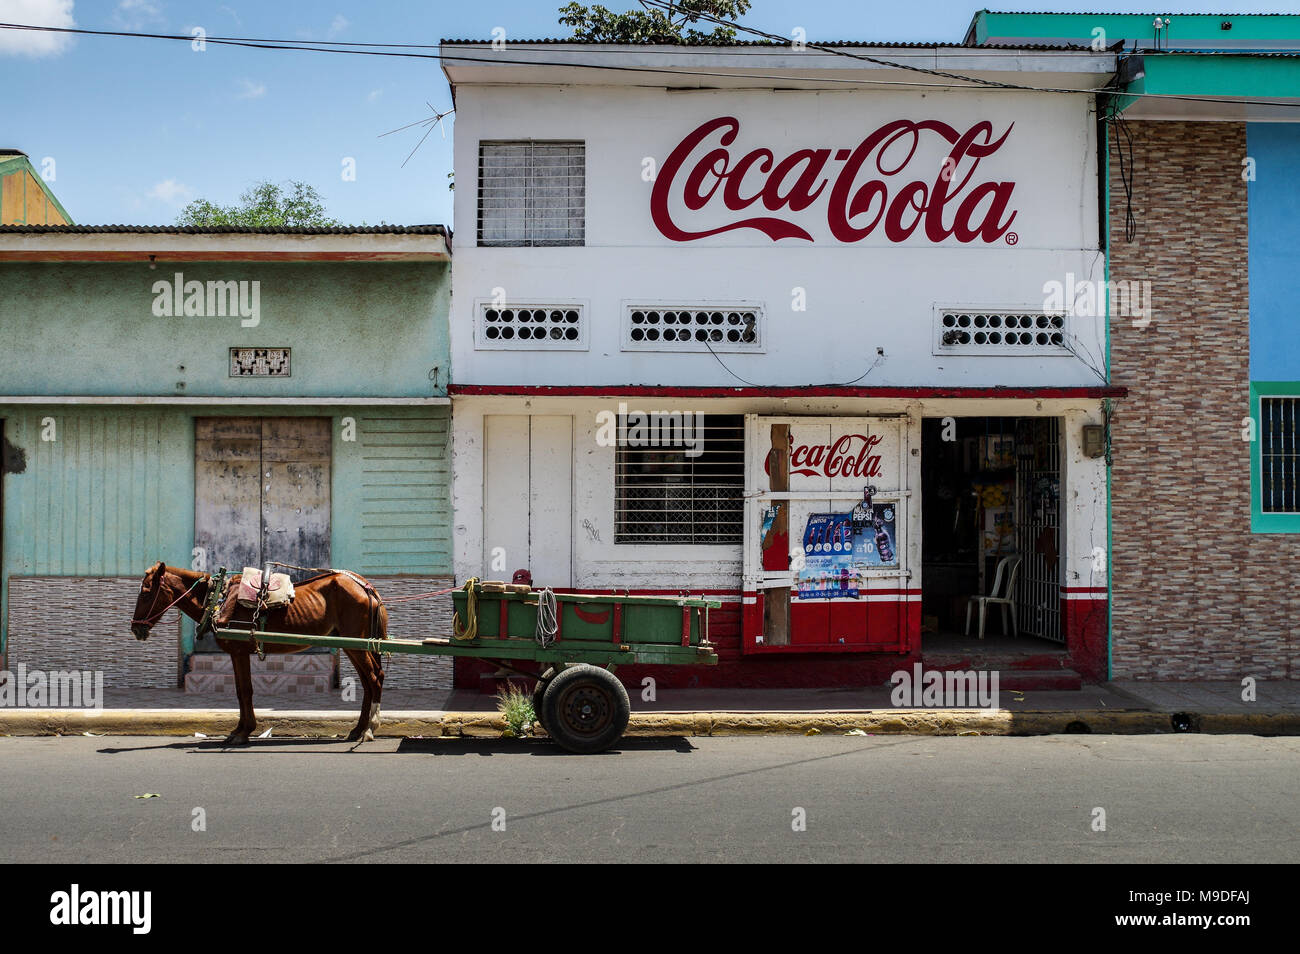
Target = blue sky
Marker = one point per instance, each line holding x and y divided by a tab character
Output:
137	127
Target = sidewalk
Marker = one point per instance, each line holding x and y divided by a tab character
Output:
1116	707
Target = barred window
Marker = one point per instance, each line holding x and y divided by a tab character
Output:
679	478
531	193
1279	455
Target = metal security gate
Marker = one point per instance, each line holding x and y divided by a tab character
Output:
1038	527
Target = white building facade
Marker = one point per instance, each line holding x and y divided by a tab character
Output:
705	300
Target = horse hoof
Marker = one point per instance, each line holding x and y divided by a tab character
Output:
354	736
368	736
237	738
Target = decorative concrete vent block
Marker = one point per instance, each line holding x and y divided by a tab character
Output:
62	623
299	674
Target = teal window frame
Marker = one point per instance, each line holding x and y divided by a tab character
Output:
1261	522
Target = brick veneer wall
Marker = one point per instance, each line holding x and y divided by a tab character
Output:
62	623
1196	595
414	619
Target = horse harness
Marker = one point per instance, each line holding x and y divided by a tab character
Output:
217	596
151	618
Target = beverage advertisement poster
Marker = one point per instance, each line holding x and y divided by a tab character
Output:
835	552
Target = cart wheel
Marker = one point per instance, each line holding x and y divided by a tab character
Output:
585	709
539	691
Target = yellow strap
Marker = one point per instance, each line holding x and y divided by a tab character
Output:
469	631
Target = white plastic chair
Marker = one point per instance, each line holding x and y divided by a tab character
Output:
1005	600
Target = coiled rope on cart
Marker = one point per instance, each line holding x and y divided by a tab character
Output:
468	630
547	617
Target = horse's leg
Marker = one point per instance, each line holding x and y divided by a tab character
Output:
361	662
377	661
242	665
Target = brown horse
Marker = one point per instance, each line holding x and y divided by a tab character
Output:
333	604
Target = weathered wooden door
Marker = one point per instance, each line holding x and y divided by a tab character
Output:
262	491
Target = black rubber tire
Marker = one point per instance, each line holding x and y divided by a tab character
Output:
539	691
585	709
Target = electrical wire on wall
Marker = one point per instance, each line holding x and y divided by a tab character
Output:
880	357
1124	156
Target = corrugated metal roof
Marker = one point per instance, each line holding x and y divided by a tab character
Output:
1034	47
231	230
1237	54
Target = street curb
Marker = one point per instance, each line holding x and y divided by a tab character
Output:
216	723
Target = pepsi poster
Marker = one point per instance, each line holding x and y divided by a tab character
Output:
835	554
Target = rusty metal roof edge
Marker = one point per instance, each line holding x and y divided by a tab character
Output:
773	44
228	230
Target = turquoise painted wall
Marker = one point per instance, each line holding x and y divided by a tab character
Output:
1274	216
114	491
356	330
1185	31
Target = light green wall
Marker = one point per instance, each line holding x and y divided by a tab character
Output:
114	491
1208	74
355	329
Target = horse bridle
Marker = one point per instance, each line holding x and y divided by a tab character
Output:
151	618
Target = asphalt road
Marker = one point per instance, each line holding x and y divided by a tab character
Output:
1185	798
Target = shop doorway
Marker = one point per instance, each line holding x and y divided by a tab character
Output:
991	497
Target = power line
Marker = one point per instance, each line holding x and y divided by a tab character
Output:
388	49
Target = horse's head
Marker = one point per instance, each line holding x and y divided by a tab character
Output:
152	589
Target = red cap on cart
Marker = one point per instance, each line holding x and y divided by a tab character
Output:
523	576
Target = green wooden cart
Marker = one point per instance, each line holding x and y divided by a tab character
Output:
572	655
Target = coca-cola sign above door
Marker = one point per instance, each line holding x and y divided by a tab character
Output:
905	177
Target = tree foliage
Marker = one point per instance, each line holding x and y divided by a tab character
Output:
653	23
264	205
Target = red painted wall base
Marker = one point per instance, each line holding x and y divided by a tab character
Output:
1084	621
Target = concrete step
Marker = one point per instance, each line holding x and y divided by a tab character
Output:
1002	661
1039	679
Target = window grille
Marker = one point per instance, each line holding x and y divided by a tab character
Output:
531	193
1279	454
665	493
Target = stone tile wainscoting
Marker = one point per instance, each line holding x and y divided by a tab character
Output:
1196	594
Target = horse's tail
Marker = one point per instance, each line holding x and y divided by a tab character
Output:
377	627
378	617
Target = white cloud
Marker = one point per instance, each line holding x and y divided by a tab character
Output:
250	90
233	14
134	14
336	26
171	192
31	43
374	95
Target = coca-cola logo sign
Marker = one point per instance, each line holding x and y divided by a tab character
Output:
877	184
848	456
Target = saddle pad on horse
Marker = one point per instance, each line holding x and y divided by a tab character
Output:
279	590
